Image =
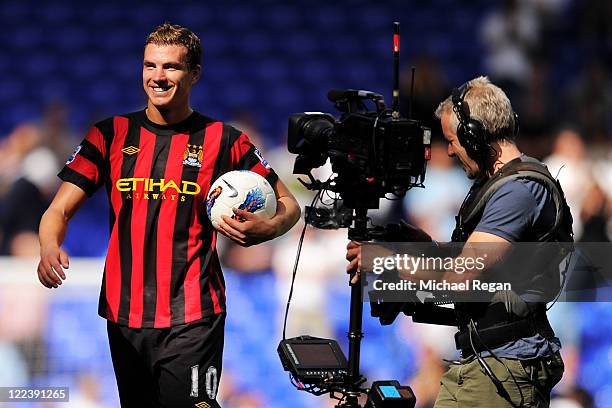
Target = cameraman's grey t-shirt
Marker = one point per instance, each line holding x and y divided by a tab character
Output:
520	211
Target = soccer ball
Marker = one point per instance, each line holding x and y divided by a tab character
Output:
242	189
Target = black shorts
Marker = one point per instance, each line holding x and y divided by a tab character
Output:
175	367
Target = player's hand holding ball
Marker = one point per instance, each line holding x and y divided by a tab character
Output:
240	205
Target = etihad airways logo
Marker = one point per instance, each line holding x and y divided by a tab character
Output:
156	189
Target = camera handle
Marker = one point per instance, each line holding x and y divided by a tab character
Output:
359	232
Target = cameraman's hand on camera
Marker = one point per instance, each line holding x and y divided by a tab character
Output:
353	255
409	233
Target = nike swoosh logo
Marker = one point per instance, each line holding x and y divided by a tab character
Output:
232	188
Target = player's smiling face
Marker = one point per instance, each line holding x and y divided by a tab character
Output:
166	76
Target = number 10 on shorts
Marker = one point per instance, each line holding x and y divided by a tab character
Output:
194	381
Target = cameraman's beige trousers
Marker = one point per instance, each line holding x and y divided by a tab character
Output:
466	385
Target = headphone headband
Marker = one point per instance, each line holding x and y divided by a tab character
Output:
460	107
462	110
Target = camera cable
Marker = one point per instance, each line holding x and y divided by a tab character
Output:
487	369
295	265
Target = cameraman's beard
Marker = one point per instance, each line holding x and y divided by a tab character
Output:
471	172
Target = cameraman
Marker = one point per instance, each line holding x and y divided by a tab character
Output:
509	355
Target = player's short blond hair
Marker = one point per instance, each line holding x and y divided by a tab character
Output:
172	34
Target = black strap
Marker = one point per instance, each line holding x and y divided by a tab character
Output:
500	334
520	168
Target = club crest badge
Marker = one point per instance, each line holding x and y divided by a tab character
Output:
193	155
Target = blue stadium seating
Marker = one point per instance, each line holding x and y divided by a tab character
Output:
93	54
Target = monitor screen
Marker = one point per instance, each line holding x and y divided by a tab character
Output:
316	355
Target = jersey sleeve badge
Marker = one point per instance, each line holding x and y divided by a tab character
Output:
263	161
74	154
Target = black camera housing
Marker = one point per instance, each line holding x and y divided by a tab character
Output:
372	152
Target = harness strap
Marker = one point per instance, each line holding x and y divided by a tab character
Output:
502	332
526	168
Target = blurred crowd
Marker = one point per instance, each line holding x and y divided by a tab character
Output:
30	158
565	123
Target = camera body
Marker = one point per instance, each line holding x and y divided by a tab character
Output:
372	152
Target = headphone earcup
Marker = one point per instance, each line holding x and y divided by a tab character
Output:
472	137
464	139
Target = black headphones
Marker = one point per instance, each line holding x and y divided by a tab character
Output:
471	133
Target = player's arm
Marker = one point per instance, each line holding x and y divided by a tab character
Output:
52	232
287	209
257	229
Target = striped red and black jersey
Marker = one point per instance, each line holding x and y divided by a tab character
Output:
162	267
